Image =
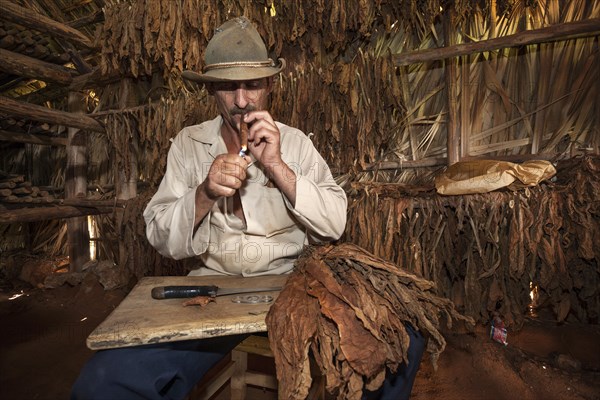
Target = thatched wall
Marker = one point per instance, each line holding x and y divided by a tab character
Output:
487	252
342	85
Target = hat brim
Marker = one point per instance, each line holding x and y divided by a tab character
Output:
234	73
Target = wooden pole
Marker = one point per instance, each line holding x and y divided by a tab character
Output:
465	107
440	161
595	136
451	77
28	67
52	11
44	114
424	162
568	30
519	158
78	236
91	19
30	138
31	19
126	186
93	79
38	213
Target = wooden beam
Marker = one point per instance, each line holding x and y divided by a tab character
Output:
91	187
51	10
88	202
33	214
30	138
451	78
91	19
569	30
425	162
80	63
48	8
518	158
28	67
93	79
31	19
48	93
441	161
44	114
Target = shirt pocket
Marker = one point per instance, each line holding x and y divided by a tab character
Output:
275	218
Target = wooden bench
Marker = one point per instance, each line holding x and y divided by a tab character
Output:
242	381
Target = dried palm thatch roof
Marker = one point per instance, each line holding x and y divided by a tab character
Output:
369	112
373	113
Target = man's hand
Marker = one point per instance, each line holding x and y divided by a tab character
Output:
226	175
264	138
264	143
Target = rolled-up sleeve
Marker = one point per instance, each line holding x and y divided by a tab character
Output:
321	203
170	213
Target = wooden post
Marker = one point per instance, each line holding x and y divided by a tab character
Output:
595	137
465	107
78	236
126	186
452	128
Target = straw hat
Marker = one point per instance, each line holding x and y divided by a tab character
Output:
236	52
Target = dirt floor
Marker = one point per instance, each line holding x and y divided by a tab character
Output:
44	330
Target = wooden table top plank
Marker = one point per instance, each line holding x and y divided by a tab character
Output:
140	319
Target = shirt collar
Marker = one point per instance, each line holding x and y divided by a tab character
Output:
209	133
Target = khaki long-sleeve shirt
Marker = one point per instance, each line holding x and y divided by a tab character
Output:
275	230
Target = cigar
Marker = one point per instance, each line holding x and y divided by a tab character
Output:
243	137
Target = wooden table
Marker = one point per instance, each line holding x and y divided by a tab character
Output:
140	319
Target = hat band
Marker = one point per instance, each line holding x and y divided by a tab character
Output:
248	64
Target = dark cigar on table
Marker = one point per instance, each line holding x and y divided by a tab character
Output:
243	137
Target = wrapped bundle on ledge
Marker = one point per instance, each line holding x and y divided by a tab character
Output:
348	307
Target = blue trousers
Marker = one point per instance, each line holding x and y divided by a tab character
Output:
398	385
171	370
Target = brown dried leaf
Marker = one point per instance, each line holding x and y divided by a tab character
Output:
201	301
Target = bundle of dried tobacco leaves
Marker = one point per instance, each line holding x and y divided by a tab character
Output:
491	253
349	308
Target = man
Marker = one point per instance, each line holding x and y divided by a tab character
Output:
242	212
241	208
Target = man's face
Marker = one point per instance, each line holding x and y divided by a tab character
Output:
237	98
